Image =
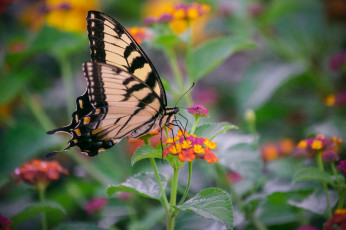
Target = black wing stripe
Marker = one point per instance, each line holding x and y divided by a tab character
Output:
110	26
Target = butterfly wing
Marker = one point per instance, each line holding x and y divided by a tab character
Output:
122	104
110	43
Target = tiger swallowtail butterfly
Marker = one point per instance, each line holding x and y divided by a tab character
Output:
124	95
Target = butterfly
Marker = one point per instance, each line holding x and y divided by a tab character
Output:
124	94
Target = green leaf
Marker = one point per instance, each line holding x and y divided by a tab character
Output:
211	203
263	80
213	129
78	225
143	184
313	174
240	154
36	209
144	152
203	59
12	83
316	203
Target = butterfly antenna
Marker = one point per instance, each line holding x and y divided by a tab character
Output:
193	84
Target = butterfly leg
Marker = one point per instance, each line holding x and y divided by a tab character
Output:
187	121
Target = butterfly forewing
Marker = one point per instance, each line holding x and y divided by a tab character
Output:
110	43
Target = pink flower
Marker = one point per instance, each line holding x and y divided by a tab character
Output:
165	17
330	156
149	21
125	196
5	224
233	177
198	110
342	166
337	61
95	205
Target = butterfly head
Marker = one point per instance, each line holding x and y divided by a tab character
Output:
170	113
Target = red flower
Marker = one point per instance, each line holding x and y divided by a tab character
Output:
198	110
5	224
337	221
95	205
37	171
342	166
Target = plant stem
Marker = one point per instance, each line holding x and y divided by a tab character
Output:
194	126
190	163
172	212
320	166
255	221
41	190
164	200
188	184
338	187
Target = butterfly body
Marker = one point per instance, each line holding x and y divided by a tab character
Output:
124	95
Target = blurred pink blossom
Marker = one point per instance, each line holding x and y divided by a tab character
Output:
5	224
337	61
95	205
342	166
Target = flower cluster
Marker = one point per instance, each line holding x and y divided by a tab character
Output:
139	34
198	110
66	15
178	14
37	171
337	221
273	150
95	205
329	147
189	147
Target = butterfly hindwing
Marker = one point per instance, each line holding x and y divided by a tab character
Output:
117	113
83	107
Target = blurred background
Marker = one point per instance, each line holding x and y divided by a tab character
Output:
290	84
